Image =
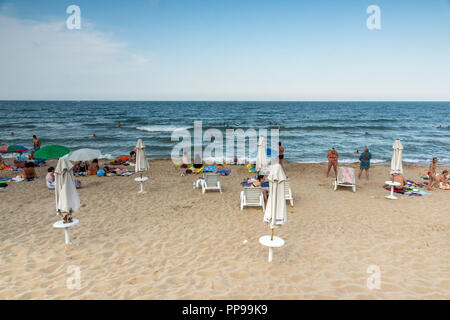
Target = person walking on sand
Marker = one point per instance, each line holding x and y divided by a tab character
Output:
332	156
364	164
432	173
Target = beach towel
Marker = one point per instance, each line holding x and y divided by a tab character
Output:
223	172
18	179
346	175
126	174
415	184
5	179
424	176
209	169
194	170
444	186
402	191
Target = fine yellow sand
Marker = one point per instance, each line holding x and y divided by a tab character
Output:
175	243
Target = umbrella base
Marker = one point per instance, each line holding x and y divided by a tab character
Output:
141	180
392	184
275	243
61	225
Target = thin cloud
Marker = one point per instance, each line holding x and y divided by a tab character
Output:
41	59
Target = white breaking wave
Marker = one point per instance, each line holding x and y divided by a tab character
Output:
161	128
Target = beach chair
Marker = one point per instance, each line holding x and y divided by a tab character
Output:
288	192
345	178
252	197
211	182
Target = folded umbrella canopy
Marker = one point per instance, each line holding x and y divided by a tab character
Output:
84	155
141	160
261	158
275	213
51	152
12	148
66	195
396	162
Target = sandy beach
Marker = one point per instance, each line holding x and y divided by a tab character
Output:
176	243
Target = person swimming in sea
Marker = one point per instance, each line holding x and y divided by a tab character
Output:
94	136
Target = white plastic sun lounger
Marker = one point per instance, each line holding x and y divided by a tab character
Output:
252	197
345	178
211	182
288	192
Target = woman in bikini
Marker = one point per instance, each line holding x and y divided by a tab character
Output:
332	161
432	173
258	184
440	178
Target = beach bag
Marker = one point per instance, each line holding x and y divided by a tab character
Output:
188	171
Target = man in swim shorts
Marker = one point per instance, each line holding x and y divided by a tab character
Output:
281	154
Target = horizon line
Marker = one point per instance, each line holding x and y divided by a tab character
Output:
197	100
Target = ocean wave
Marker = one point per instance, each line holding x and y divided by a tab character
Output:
161	128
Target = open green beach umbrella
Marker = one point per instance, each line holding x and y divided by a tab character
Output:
51	152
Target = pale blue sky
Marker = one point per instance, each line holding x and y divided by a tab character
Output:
225	50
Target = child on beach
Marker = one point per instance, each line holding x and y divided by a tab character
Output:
50	178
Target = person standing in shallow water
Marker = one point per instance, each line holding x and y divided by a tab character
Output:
332	157
36	143
364	159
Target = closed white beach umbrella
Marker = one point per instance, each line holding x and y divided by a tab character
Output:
275	213
396	162
66	195
84	155
141	160
261	157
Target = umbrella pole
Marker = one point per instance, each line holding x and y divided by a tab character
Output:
271	237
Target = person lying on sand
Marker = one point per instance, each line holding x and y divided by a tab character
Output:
400	179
